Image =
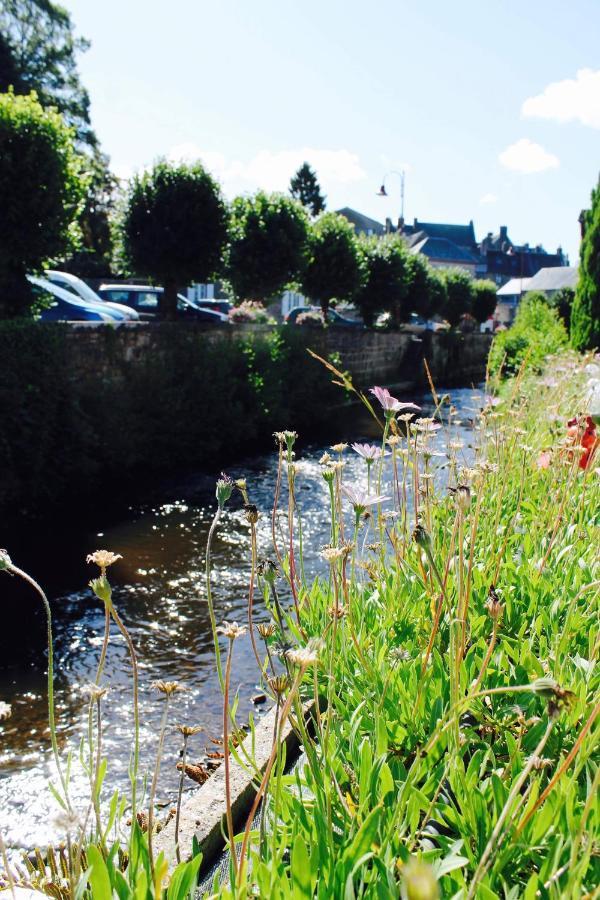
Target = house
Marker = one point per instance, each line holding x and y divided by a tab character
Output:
552	280
509	296
362	224
444	245
505	260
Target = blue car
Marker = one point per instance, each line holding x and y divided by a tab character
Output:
62	306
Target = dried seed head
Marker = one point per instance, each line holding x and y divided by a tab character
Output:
95	691
422	537
197	773
67	822
462	496
493	604
339	448
251	513
232	630
332	554
5	710
394	440
168	688
558	698
399	654
279	684
266	629
189	730
103	559
337	612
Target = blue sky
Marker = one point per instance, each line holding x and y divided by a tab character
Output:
492	109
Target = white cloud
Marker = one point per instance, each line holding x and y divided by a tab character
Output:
571	100
488	198
272	171
526	156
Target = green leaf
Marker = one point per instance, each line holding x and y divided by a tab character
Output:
300	869
99	877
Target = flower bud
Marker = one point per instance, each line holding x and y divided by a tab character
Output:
5	561
224	489
419	881
102	589
422	537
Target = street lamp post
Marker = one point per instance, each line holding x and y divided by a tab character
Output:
382	192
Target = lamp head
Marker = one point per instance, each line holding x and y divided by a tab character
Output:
382	191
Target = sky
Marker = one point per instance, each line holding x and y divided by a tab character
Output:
491	110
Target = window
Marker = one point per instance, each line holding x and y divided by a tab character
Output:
146	299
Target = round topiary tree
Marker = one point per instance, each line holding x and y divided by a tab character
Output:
40	191
437	293
385	284
174	228
585	315
484	300
459	288
334	268
267	244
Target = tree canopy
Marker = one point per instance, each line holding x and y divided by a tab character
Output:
38	50
334	268
304	187
267	243
459	288
174	227
40	187
484	300
385	284
585	315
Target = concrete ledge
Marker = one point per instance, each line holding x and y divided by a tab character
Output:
203	812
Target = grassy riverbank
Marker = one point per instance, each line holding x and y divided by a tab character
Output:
454	641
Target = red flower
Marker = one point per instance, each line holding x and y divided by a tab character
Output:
589	442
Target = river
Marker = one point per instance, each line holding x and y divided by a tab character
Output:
160	593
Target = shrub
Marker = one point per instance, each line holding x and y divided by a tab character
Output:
537	332
385	286
40	191
459	289
251	311
484	300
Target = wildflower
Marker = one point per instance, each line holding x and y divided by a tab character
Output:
455	445
189	730
493	604
95	691
5	710
339	448
390	404
326	459
419	881
224	489
540	762
103	559
168	688
361	500
232	630
426	425
279	437
332	554
405	417
369	452
544	459
375	547
289	438
5	562
462	495
394	440
303	657
400	654
251	513
329	474
266	629
279	684
337	612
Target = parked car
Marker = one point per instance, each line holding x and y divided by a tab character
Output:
144	299
62	306
333	318
78	286
222	306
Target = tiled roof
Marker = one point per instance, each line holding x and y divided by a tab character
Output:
463	235
443	249
360	221
554	279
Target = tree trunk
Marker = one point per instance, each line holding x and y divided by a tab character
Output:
168	306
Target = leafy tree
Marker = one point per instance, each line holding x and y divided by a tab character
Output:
484	300
267	242
174	228
304	187
585	317
38	52
459	287
40	190
437	293
334	269
536	332
385	278
562	302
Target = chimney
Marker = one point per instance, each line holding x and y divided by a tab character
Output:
388	225
503	232
401	224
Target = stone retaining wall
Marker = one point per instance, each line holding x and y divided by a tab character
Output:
370	356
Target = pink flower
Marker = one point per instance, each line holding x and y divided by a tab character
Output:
390	404
544	459
369	452
361	499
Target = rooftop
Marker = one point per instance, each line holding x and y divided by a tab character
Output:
442	249
514	287
554	279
